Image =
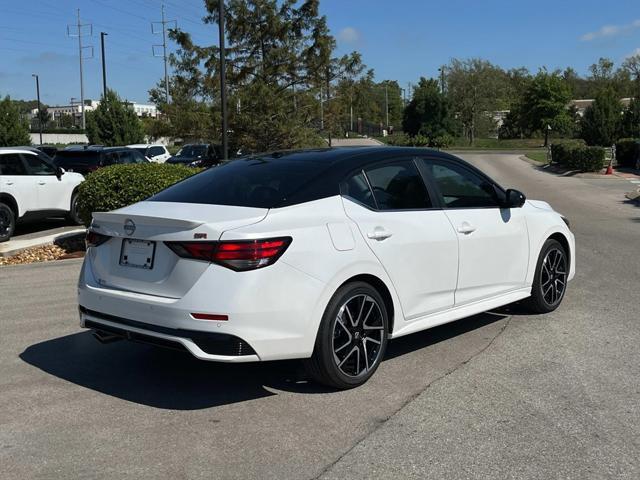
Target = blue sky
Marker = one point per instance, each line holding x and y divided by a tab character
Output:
400	40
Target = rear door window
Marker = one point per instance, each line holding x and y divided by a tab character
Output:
398	186
357	188
12	164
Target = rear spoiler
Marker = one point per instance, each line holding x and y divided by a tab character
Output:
113	223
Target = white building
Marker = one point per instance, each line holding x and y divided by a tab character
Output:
140	109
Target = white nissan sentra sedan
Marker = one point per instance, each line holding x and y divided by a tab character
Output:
322	255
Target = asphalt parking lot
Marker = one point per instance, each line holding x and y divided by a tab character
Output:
499	395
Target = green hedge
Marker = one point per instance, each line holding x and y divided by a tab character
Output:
120	185
403	140
574	154
628	152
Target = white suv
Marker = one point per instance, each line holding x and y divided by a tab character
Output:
31	187
155	153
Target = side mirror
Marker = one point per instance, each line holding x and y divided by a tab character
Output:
59	172
514	198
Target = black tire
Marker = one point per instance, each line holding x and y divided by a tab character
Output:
550	280
7	222
73	215
359	347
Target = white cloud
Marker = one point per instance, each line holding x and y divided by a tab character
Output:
349	35
610	31
634	53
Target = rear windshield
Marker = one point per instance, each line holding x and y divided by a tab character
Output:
250	182
80	157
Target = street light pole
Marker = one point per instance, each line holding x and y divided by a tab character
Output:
104	68
39	108
223	80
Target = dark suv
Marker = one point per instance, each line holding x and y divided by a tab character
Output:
86	159
197	155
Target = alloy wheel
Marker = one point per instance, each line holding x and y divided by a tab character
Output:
358	333
553	276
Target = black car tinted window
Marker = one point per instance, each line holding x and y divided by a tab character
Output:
192	151
251	182
66	158
398	186
11	164
357	188
460	187
37	166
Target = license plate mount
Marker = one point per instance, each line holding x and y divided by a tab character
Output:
137	253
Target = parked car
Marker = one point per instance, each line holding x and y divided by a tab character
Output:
154	152
50	150
86	159
31	187
322	255
197	155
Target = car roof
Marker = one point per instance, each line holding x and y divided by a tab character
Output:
145	145
93	148
347	155
18	149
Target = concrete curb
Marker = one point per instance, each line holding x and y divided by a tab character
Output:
13	247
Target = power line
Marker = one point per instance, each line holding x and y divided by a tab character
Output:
164	22
70	33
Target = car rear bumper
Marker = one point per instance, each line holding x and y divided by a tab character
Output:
217	347
271	314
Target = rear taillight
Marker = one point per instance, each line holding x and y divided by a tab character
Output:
93	239
240	255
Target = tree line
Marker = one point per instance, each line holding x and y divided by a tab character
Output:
287	88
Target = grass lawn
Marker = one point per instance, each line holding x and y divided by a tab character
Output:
540	156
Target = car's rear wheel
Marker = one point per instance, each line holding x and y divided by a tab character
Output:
74	213
7	222
352	338
550	281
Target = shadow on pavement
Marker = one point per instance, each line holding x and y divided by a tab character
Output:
175	380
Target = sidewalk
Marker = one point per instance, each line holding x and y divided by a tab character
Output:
36	239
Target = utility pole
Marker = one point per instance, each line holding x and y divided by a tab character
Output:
386	102
223	80
104	68
39	108
164	22
79	34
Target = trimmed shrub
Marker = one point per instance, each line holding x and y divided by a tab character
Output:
574	154
561	150
120	185
587	159
441	141
628	152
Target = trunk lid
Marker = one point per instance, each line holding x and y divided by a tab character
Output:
167	275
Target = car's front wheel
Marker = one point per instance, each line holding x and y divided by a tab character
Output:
550	281
352	338
7	222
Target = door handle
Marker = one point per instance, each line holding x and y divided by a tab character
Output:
379	234
8	183
42	183
466	228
